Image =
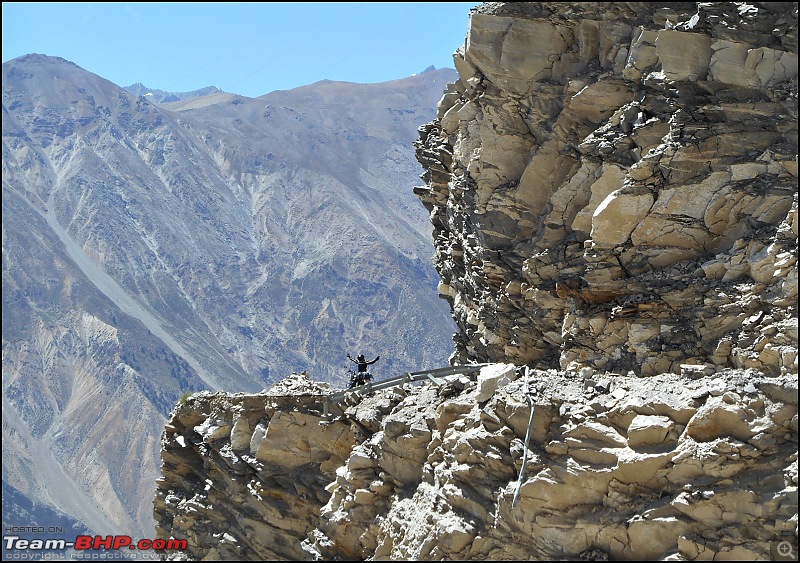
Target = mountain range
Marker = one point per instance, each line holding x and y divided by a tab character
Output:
212	242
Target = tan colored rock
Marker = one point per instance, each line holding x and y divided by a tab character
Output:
617	216
241	433
772	66
603	456
213	429
717	418
728	64
642	55
493	377
646	430
496	44
449	411
543	174
596	432
597	102
611	180
683	55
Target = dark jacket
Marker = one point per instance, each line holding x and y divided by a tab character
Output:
362	362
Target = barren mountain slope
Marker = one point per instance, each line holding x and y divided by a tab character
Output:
148	252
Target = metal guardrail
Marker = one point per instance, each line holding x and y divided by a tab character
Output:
429	374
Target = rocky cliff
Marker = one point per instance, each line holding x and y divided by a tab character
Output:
617	467
614	185
613	190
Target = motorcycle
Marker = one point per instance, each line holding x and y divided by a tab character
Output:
359	378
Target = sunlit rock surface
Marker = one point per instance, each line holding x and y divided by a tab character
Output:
614	185
617	467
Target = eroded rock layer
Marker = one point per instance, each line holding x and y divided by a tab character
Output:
616	467
614	185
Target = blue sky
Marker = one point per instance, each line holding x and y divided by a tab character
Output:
247	48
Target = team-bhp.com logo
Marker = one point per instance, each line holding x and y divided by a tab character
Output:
93	543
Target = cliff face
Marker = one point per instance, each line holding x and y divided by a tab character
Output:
624	467
613	190
614	185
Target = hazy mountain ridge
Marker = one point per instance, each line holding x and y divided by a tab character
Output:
148	252
161	96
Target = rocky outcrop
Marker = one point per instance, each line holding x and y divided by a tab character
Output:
614	185
244	475
619	468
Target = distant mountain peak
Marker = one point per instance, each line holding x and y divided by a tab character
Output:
429	69
162	96
40	58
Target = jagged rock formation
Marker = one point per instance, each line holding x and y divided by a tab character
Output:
622	467
261	461
614	185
